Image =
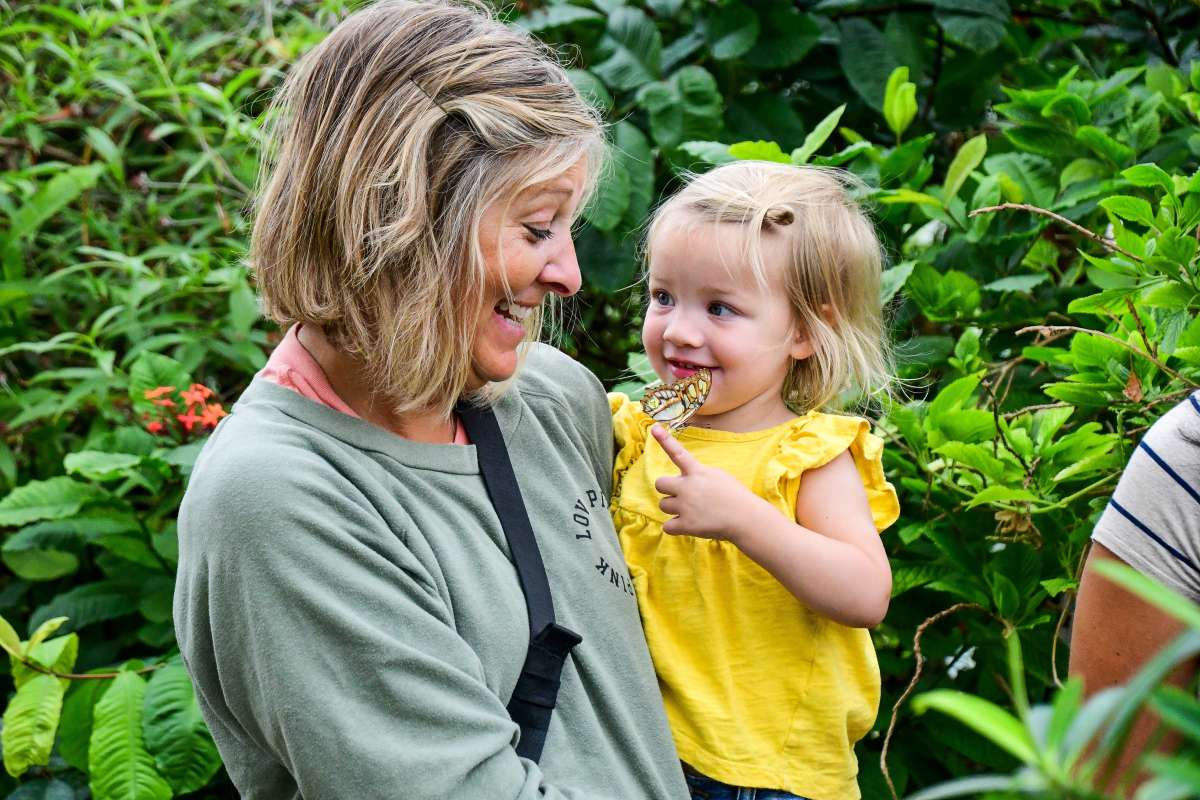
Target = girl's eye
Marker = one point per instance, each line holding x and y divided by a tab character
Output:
660	297
541	234
719	310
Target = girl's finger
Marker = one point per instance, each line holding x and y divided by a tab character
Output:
674	450
669	505
669	485
672	526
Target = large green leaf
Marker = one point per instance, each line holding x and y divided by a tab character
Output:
817	136
120	766
982	716
10	642
1104	145
979	34
30	722
95	465
631	49
75	728
150	371
785	36
175	733
37	564
592	89
88	604
55	498
867	59
968	157
1134	209
634	153
611	198
759	151
58	654
687	107
731	31
1033	175
558	16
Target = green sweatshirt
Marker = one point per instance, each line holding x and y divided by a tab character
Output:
353	625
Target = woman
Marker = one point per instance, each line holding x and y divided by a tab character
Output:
346	604
1151	523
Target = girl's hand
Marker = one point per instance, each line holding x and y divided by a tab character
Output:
705	501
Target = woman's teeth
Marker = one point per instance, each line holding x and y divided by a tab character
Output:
517	313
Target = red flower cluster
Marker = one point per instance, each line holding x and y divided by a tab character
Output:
198	409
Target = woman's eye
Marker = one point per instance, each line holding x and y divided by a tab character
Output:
541	234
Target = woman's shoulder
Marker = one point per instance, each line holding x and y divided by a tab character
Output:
549	371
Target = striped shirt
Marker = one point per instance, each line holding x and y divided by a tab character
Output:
1153	520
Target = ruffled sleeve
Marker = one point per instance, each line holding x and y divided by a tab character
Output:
630	428
816	439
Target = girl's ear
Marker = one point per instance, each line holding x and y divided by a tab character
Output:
801	347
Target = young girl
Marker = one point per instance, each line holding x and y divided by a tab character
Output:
752	536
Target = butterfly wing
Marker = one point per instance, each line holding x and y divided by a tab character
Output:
676	403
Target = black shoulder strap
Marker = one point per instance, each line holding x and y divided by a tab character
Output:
536	691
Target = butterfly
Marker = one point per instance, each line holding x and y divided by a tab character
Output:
675	403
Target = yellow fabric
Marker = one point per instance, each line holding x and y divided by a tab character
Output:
760	690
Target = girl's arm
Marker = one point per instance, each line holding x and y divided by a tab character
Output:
832	559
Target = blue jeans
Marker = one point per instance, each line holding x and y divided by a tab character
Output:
704	788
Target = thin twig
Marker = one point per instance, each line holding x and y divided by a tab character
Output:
1031	409
1062	617
1095	237
1111	338
912	684
93	676
48	149
1141	328
1154	22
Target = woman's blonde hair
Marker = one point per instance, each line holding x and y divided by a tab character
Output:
832	269
388	141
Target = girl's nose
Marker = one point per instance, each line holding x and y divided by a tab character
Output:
561	273
680	331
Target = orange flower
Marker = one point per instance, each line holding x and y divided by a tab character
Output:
212	415
155	427
188	420
196	394
165	402
154	394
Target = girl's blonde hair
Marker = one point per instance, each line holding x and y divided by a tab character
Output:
831	272
388	141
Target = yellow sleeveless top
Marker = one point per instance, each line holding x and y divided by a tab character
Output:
760	690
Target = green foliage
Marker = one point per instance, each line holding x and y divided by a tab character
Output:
1064	744
1034	353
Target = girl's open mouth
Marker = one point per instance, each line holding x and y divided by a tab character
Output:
684	369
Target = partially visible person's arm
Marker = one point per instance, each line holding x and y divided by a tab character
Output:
1115	633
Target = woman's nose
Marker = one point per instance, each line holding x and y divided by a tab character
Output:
561	273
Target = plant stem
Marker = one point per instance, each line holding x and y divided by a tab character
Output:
1095	237
1111	338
